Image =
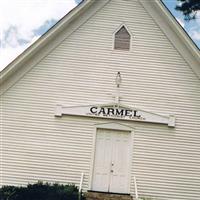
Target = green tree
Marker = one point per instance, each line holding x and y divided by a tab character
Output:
189	8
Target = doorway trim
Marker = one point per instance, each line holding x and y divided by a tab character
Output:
110	126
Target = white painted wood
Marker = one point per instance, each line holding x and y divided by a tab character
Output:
135	186
114	126
102	163
174	31
81	182
44	45
119	178
90	182
114	111
112	160
110	126
36	145
156	9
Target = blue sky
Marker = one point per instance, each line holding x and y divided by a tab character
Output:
32	18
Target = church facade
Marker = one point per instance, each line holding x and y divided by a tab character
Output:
109	97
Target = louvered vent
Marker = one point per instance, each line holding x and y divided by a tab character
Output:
122	39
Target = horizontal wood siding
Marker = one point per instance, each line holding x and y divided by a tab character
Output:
81	71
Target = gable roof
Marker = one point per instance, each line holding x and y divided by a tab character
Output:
175	33
156	10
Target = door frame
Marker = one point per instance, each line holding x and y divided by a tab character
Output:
111	126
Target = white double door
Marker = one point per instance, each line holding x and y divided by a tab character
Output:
112	160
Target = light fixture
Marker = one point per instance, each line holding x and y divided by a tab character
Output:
118	79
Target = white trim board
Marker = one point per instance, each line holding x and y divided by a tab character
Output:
174	32
114	126
115	111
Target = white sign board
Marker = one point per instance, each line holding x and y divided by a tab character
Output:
113	111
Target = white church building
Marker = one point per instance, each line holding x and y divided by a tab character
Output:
109	98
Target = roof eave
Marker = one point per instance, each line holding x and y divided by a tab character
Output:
43	40
186	48
175	33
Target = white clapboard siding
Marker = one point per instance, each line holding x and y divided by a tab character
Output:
36	145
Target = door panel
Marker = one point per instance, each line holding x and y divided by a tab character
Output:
101	177
120	159
111	164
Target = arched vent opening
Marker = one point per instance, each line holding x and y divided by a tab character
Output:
122	39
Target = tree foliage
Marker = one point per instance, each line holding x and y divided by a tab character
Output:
189	8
